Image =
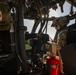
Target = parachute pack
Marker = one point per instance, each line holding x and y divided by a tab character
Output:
5	16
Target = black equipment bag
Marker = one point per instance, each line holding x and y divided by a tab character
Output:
68	55
71	34
5	42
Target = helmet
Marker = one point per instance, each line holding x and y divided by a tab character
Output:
62	21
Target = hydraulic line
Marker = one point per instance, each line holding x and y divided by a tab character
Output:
35	26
